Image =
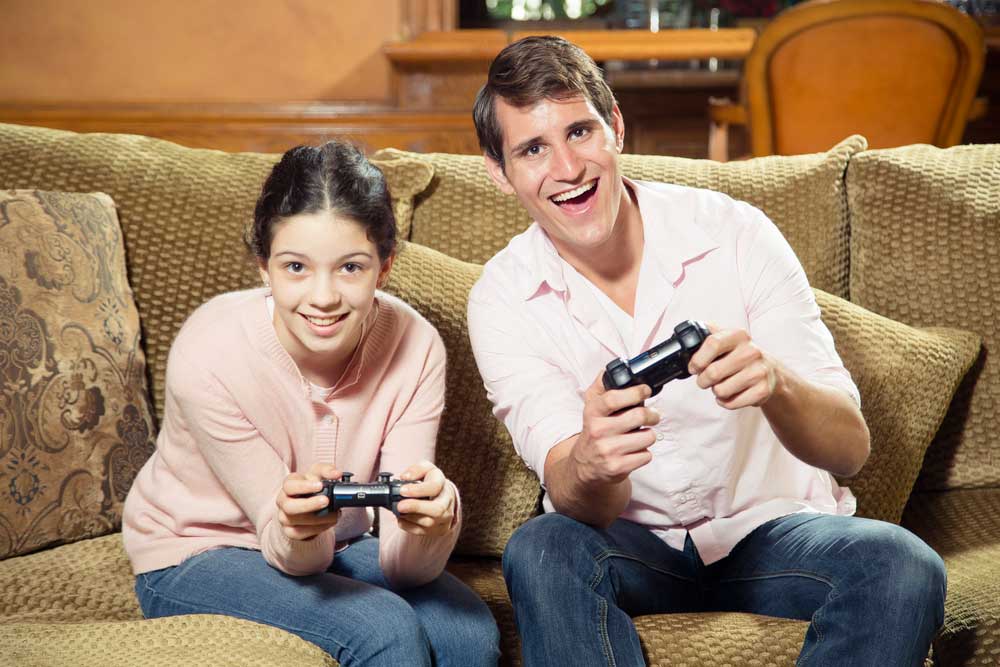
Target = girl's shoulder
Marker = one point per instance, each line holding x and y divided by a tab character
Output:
222	322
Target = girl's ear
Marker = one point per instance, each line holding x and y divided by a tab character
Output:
383	272
264	277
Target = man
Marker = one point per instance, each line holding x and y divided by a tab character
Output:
718	493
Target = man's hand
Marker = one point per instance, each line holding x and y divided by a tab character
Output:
435	516
297	509
819	425
613	441
587	475
736	370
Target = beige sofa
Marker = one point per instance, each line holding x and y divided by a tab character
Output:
910	236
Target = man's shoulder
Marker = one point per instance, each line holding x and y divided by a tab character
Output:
510	270
717	213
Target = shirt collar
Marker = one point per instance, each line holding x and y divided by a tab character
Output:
672	232
671	238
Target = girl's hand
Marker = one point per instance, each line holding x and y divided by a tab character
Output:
297	508
435	516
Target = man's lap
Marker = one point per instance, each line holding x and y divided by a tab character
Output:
787	567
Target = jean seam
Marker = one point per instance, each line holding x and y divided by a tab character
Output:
612	553
219	612
783	573
816	626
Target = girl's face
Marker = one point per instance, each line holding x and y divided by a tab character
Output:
323	272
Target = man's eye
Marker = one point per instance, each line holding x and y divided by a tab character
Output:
533	150
578	132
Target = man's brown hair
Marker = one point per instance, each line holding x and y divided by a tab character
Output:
531	70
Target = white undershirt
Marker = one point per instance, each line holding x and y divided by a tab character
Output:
624	323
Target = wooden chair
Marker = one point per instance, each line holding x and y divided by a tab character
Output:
896	71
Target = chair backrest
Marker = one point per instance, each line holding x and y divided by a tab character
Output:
896	71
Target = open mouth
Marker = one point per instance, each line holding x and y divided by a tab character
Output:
576	198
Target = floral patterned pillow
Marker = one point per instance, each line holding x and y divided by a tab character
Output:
75	420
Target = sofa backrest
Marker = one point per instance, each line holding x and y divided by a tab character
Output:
462	214
925	250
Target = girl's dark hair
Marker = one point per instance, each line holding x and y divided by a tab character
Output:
531	70
336	176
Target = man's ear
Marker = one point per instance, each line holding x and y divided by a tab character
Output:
618	127
495	171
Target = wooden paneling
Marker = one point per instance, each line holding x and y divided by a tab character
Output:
156	51
263	128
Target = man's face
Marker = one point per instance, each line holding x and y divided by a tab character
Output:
561	160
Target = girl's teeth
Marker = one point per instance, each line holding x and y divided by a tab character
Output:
322	322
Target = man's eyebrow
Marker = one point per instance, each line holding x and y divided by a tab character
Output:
585	124
524	145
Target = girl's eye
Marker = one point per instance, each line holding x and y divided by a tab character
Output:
295	267
351	267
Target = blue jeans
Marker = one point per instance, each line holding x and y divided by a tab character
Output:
873	591
347	611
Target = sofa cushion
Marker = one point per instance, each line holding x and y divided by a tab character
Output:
183	212
907	378
75	422
474	449
962	525
464	215
925	250
176	641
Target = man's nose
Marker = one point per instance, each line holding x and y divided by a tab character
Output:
567	165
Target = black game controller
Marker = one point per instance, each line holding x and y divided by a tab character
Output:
345	493
661	364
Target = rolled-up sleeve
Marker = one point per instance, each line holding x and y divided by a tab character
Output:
540	404
781	307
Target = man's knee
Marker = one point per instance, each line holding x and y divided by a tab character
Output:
548	542
904	569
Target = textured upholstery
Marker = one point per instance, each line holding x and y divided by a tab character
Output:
178	641
474	449
963	525
907	378
926	251
75	421
462	214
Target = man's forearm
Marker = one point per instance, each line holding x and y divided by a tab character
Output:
595	503
820	425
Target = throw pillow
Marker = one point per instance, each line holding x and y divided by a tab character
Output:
462	214
925	243
75	423
907	378
474	449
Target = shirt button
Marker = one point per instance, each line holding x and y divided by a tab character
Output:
328	419
659	436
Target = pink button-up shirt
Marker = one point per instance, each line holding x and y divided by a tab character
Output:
541	336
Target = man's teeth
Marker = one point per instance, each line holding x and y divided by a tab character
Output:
322	321
575	192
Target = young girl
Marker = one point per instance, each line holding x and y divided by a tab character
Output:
269	391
